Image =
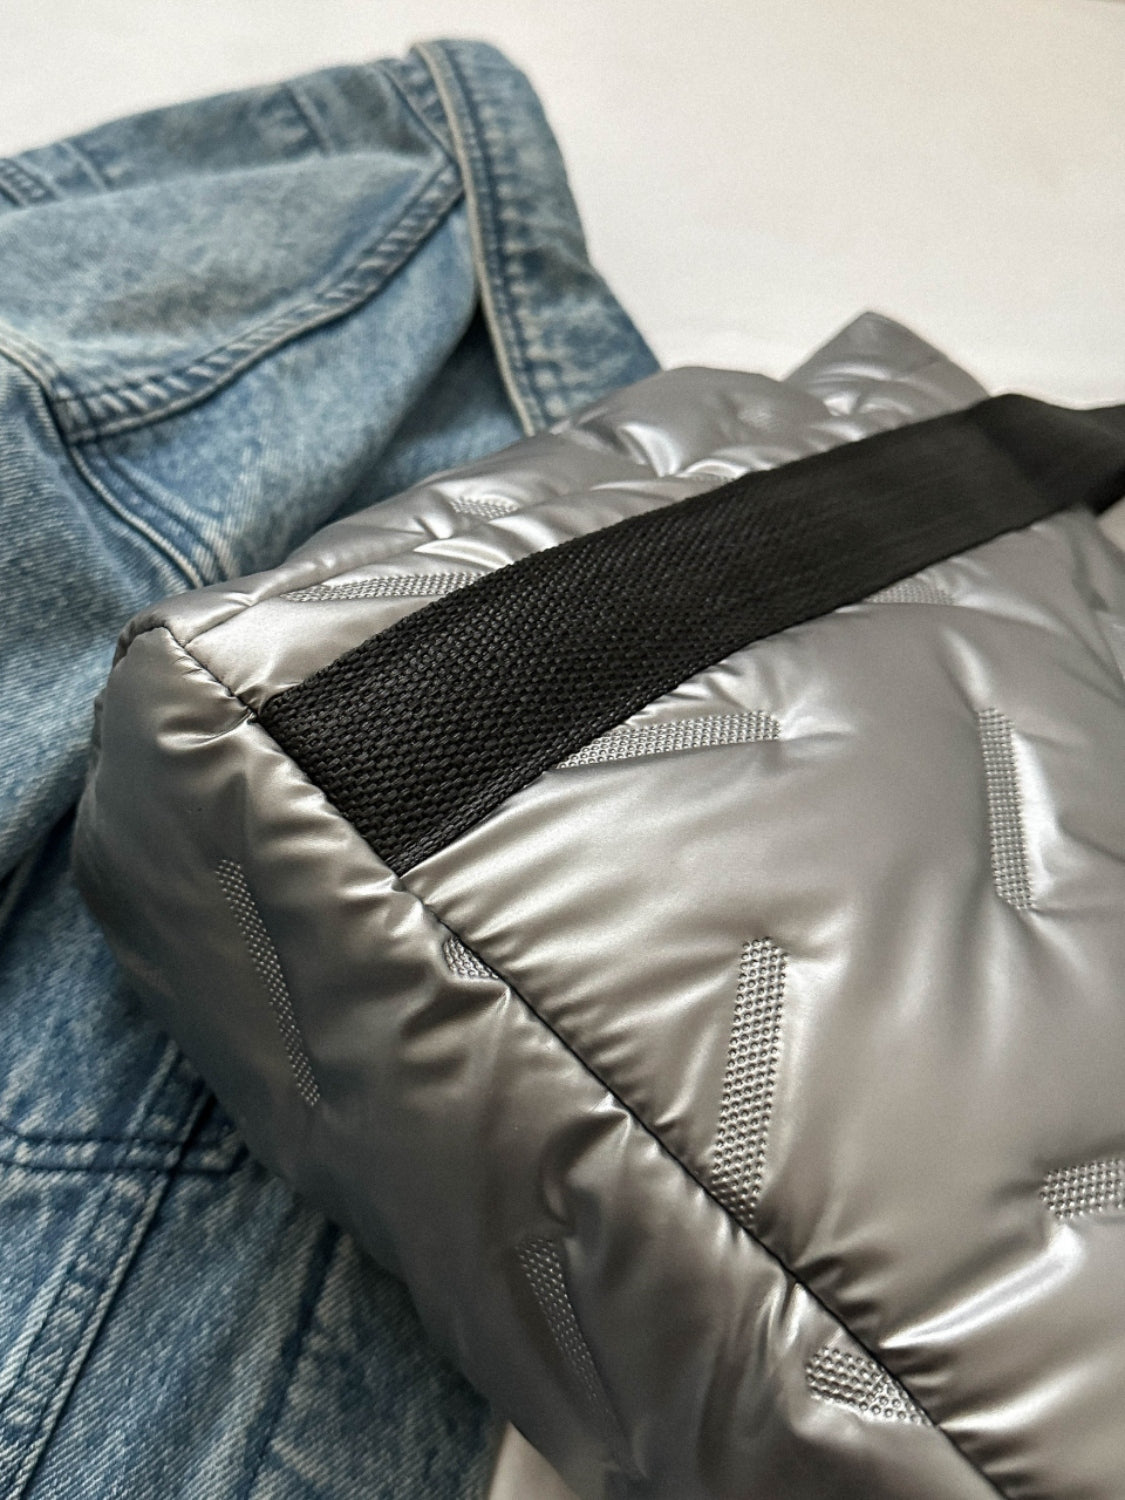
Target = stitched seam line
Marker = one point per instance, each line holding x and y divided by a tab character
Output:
333	287
307	111
43	1138
87	165
191	1169
34	1444
505	335
18	1391
129	1145
592	1072
36	1138
122	491
416	109
236	606
42	369
495	221
22	186
92	485
323	1254
545	377
128	1242
667	1151
106	411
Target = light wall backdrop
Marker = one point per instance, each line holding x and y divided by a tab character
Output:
751	172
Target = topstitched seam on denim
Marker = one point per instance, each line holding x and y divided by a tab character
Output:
85	459
500	255
25	1442
45	1321
426	189
401	882
201	559
88	164
90	482
135	1227
42	1144
448	82
24	187
125	1167
417	111
158	1081
544	377
45	1138
36	362
211	372
122	1168
330	1238
307	111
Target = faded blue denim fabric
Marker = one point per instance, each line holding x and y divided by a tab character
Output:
222	324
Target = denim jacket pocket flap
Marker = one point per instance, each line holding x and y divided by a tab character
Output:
158	257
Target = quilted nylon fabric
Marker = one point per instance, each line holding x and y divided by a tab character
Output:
743	1111
451	711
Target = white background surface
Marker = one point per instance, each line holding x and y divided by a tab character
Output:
751	172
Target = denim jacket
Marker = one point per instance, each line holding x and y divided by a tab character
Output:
221	325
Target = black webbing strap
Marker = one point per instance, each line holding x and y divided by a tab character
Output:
418	733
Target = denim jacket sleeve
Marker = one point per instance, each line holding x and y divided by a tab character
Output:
215	320
222	324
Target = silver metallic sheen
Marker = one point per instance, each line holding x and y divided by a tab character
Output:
877	956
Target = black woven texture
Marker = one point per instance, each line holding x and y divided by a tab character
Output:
424	729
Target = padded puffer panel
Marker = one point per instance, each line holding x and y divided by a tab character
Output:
455	1130
674	435
741	1100
938	1047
